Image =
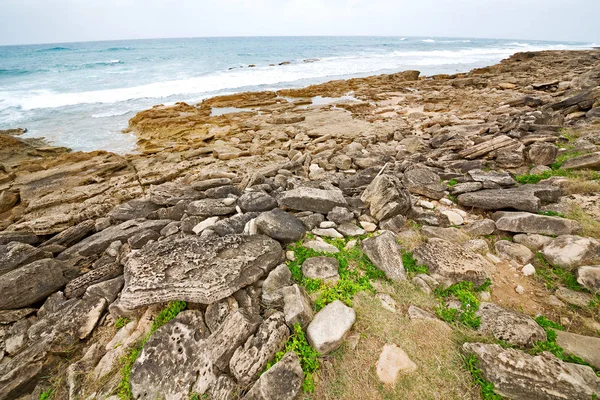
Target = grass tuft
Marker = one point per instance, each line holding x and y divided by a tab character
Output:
466	293
487	388
121	322
47	394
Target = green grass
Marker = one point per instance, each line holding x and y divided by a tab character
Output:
551	213
487	388
309	357
452	182
553	276
166	315
536	178
47	394
121	322
411	265
452	198
560	159
466	293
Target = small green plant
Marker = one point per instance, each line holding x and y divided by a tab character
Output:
551	213
309	357
466	293
411	265
487	388
47	394
452	182
121	322
553	277
564	157
536	178
453	198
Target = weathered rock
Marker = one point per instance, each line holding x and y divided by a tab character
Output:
211	183
466	187
134	209
22	237
386	198
487	147
569	252
589	277
418	313
424	182
140	239
79	285
10	316
19	374
585	347
324	268
197	270
479	228
450	234
311	199
283	381
395	224
393	361
108	289
217	312
312	221
256	201
77	373
499	178
296	306
7	200
535	223
74	234
513	251
524	198
15	254
542	153
588	161
340	215
330	326
450	261
280	225
579	299
272	293
34	282
518	375
319	245
386	254
249	360
210	208
509	326
532	241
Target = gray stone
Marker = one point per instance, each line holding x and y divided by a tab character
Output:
589	277
524	198
477	246
513	251
570	252
450	261
330	326
22	237
311	199
340	215
509	326
197	270
517	375
108	290
296	306
327	232
10	316
585	347
217	312
466	187
450	234
395	224
251	359
15	254
74	234
140	239
522	222
78	286
283	381
499	178
424	182
324	268
16	337
272	289
256	201
386	254
233	225
532	241
312	221
133	209
542	153
210	208
77	373
350	230
386	198
319	245
573	297
418	313
280	225
211	183
479	228
588	161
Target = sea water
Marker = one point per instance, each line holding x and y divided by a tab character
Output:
81	95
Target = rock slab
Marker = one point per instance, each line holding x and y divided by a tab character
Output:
330	326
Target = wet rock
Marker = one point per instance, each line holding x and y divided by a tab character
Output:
330	326
296	306
589	277
569	251
521	222
311	199
588	161
450	261
509	326
280	225
272	293
386	254
518	375
392	362
324	268
210	207
198	270
15	254
542	153
479	228
283	381
513	251
386	198
256	201
585	347
424	182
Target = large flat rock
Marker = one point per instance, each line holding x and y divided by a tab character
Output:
585	347
588	161
523	198
509	326
570	251
522	222
311	199
197	270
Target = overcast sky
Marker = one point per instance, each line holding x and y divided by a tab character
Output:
55	21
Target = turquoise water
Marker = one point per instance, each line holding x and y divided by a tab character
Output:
81	95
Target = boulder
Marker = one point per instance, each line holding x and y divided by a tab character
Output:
133	209
256	201
386	198
296	306
585	347
330	326
311	199
450	261
210	207
542	153
323	268
424	182
74	234
513	251
522	222
386	254
532	241
498	178
570	252
466	187
524	198
479	228
589	277
15	254
283	381
509	326
588	161
517	375
197	270
280	225
450	234
340	215
272	293
392	362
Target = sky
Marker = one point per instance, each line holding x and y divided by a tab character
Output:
58	21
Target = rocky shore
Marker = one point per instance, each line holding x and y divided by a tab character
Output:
394	235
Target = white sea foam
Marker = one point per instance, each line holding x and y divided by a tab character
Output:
428	41
109	114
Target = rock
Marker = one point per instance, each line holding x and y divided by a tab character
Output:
524	198
455	218
393	361
74	234
542	153
387	302
328	232
7	200
140	239
518	375
107	289
34	282
312	221
520	289
9	316
296	306
77	373
449	260
417	313
585	347
217	312
100	241
395	224
330	326
319	245
15	254
323	268
197	270
509	326
22	237
572	297
424	182
272	293
133	209
513	251
528	270
368	226
78	286
588	161
569	252
256	201
533	242
16	337
340	215
589	277
210	207
499	178
207	223
280	225
450	234
534	223
477	246
386	198
211	183
487	147
283	381
251	359
311	199
479	228
466	187
386	254
511	157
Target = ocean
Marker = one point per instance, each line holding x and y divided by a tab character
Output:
81	95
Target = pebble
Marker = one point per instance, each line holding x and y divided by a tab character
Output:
446	202
454	217
520	289
290	255
229	201
327	224
387	302
426	204
528	270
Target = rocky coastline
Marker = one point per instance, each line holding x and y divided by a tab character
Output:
271	245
